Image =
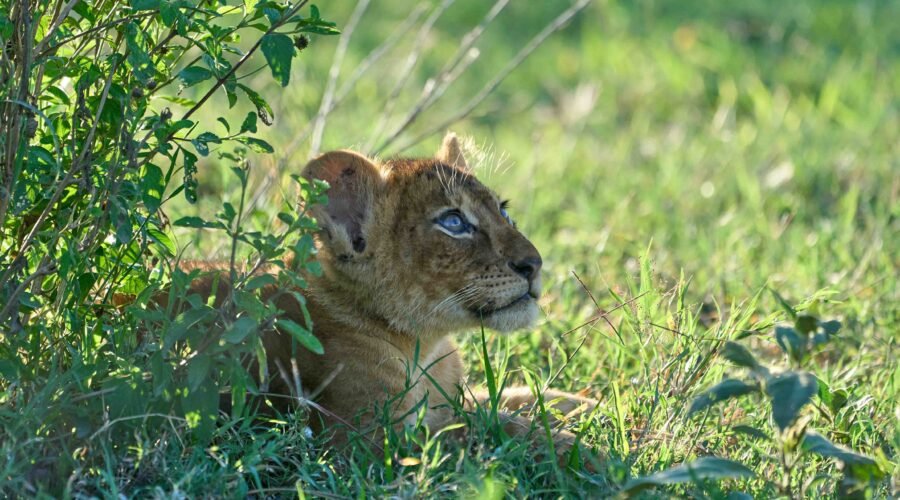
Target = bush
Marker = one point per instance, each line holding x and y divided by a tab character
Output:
97	135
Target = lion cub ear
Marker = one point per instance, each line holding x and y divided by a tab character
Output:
451	152
354	181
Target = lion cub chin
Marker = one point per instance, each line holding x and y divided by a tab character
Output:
411	250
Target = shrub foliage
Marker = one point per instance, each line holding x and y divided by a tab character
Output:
97	133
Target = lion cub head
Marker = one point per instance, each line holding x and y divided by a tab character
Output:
422	245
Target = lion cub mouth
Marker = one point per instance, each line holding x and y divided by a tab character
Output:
523	299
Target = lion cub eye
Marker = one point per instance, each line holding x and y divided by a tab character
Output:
454	222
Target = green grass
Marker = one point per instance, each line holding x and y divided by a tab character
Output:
686	154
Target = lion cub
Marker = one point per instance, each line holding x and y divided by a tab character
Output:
412	250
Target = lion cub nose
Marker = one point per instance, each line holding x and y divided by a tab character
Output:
527	268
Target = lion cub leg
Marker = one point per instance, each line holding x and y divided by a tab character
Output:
570	405
514	401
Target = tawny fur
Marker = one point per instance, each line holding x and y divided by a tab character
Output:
394	285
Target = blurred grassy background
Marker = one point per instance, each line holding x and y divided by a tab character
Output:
746	141
743	144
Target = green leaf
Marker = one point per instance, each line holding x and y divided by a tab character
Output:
273	12
9	369
27	300
739	355
161	371
259	282
789	392
249	124
830	327
59	94
240	381
279	51
249	303
228	212
152	187
860	466
201	142
6	28
139	5
85	11
318	27
124	227
702	469
232	96
834	399
783	303
181	101
286	218
184	322
239	330
126	395
726	389
304	336
241	174
838	400
167	12
806	324
263	110
198	369
194	75
257	145
751	431
791	342
190	182
162	239
197	222
175	126
200	407
171	15
138	58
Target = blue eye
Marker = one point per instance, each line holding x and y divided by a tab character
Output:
454	222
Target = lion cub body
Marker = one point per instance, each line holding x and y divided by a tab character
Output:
411	251
365	366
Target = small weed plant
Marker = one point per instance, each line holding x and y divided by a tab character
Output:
794	396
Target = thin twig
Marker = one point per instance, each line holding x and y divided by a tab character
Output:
44	269
599	309
488	89
591	322
49	50
14	119
406	72
379	51
374	56
63	14
436	86
333	74
598	317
